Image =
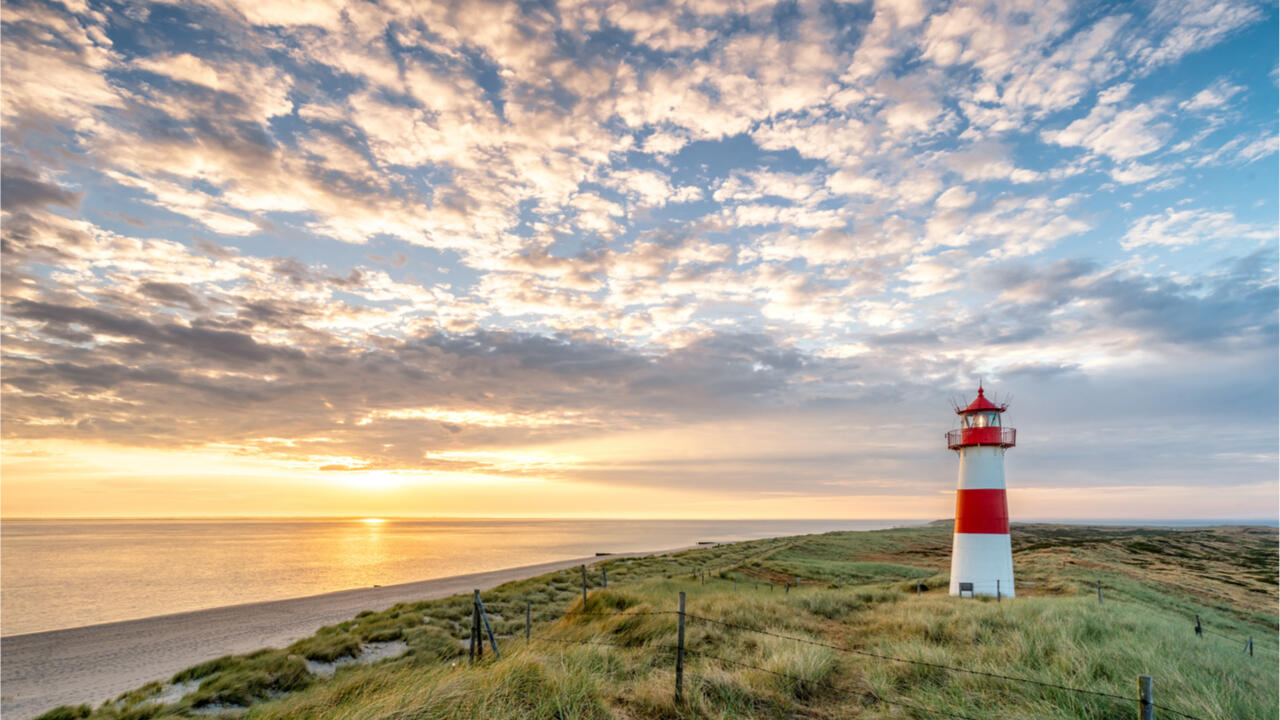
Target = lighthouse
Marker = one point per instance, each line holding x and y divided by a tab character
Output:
981	556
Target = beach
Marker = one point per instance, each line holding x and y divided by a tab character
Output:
98	662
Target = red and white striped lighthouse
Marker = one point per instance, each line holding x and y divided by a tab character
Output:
980	551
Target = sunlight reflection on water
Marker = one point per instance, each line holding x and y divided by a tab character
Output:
68	573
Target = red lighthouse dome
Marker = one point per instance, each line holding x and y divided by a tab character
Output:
980	425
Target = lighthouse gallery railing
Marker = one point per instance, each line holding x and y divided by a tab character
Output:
1003	436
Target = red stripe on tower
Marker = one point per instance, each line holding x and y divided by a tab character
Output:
982	511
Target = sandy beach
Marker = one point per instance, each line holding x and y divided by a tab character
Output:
91	664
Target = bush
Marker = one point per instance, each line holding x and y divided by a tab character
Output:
255	678
204	669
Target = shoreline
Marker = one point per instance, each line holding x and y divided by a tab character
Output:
95	663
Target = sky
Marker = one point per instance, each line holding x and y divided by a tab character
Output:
714	258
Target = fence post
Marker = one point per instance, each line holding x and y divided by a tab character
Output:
484	619
1199	630
584	587
528	616
680	652
1249	647
1099	592
917	588
475	634
997	589
604	578
1146	702
788	587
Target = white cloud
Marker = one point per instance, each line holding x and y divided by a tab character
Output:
955	198
1115	94
1176	28
1190	227
1118	134
1212	97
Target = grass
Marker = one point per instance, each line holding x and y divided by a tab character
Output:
857	593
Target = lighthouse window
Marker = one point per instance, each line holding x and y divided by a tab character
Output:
982	419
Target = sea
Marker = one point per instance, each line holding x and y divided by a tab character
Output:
58	574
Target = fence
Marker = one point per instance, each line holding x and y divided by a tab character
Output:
1144	699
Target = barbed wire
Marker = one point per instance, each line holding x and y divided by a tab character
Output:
574	613
626	646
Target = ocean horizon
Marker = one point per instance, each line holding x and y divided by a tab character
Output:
73	572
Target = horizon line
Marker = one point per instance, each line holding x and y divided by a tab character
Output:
1274	520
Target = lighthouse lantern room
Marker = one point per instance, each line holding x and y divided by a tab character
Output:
981	555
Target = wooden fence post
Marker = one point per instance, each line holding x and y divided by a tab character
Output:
475	621
475	634
1249	647
1099	592
528	616
1146	702
997	589
917	588
1199	630
584	587
680	652
788	587
484	619
604	578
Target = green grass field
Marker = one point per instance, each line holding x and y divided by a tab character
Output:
857	595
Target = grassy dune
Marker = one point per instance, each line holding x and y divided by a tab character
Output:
857	593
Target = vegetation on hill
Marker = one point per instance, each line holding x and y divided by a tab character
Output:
824	651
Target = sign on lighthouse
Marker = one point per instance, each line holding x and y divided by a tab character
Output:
981	556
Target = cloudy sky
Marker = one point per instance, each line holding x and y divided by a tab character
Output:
708	258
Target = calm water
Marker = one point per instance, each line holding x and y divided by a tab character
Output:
68	573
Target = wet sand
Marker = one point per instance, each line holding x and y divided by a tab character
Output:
92	664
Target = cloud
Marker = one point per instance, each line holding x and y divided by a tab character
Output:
21	188
1118	134
1189	227
1180	28
1211	98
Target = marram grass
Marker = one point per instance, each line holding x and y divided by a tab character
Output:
858	593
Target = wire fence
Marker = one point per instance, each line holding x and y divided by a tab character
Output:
1143	700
